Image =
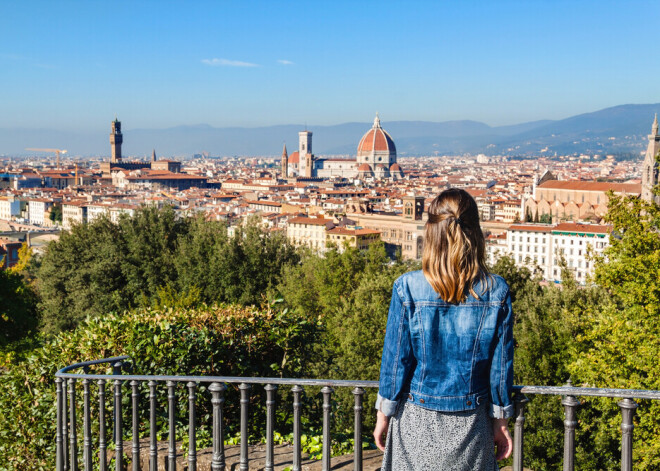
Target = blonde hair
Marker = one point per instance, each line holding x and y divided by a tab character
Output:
454	256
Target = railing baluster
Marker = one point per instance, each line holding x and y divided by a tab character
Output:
628	407
87	427
119	434
327	441
245	401
59	459
270	424
171	404
65	426
103	457
520	401
192	445
570	404
73	435
297	405
218	399
135	452
357	431
153	439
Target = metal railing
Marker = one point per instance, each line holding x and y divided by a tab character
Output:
67	441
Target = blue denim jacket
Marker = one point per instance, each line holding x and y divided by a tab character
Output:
448	357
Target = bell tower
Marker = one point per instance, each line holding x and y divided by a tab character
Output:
116	139
650	165
306	159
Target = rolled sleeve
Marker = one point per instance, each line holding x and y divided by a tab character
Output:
501	370
397	360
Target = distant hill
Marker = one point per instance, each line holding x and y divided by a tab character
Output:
618	129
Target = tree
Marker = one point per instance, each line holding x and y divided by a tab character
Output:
620	350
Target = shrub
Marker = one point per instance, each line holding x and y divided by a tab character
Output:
218	340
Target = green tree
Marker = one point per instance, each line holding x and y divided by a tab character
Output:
621	348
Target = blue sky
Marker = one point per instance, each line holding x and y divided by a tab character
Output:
155	64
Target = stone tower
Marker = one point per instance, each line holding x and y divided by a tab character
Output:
650	165
413	207
285	163
116	139
305	154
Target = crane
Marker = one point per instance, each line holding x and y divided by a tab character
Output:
57	152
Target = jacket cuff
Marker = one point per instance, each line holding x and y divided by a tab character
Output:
499	412
386	406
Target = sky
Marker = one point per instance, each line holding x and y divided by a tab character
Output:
155	64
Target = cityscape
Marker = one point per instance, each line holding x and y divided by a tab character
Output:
541	211
224	227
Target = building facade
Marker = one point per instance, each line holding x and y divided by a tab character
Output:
650	165
545	245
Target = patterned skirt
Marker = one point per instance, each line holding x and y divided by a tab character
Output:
425	440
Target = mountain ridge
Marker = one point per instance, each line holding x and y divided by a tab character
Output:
621	128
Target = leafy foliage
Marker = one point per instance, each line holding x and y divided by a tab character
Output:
218	340
102	267
621	347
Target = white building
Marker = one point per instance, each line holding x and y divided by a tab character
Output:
544	245
38	210
10	207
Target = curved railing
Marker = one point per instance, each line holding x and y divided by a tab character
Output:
67	440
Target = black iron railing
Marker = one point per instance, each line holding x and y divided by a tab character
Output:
67	440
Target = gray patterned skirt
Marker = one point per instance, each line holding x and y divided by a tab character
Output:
425	440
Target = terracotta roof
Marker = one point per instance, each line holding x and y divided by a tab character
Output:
531	227
592	186
294	158
311	221
576	227
364	168
344	231
376	139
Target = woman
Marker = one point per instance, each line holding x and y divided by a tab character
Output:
448	356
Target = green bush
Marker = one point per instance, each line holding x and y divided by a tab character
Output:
218	340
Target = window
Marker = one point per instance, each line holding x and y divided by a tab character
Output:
536	240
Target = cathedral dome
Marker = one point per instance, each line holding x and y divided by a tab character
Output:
364	168
376	140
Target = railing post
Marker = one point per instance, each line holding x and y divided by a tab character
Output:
153	439
357	432
171	404
59	459
218	399
103	457
192	442
327	441
270	419
570	404
245	401
119	444
135	397
65	426
87	426
520	401
73	436
628	407
297	454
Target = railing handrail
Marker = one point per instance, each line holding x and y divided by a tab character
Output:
530	389
67	455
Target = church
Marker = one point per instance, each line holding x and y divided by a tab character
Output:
376	158
650	165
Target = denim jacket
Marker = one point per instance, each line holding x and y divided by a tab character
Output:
448	357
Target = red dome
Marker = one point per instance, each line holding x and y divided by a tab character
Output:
376	140
395	168
364	168
294	158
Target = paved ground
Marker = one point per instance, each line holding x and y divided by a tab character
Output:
257	458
